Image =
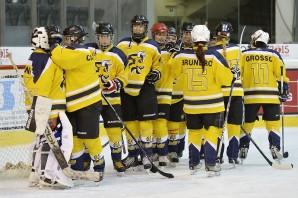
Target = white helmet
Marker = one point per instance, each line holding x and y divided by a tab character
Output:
261	36
200	33
39	38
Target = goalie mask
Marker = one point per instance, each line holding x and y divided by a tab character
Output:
40	39
259	37
139	27
74	34
105	35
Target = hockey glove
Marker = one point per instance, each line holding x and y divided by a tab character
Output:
112	86
236	73
153	76
283	94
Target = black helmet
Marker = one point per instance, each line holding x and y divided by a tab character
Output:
139	19
54	34
224	29
76	31
172	31
104	28
187	27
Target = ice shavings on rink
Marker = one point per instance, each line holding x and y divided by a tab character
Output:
253	179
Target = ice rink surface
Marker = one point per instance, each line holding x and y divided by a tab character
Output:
254	179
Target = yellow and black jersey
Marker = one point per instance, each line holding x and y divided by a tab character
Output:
232	54
110	64
81	79
261	69
202	88
141	59
177	93
43	78
164	86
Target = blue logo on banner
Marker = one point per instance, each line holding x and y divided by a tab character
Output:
8	97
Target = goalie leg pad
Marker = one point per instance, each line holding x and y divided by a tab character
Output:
39	115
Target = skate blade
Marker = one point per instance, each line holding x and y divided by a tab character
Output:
194	172
213	174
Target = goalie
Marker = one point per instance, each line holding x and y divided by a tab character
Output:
44	83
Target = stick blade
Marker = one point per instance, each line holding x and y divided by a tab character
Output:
282	166
155	169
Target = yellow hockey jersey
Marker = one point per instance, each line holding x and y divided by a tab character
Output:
43	78
202	89
261	69
81	79
164	86
232	57
141	59
110	64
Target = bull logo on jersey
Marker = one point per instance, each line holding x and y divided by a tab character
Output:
102	68
134	60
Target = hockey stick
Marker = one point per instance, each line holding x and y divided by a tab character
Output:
273	164
285	154
73	174
229	101
154	168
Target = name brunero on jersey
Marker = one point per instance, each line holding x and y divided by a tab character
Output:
195	62
258	57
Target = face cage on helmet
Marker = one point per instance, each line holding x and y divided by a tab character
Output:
139	36
104	47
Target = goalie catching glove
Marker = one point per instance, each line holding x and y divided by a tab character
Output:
236	73
112	86
153	76
283	91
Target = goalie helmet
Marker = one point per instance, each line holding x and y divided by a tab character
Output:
259	36
200	33
139	19
40	39
224	29
76	33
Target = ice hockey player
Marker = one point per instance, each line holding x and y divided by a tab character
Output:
83	96
163	87
110	63
171	40
204	72
176	124
263	72
139	101
231	53
43	80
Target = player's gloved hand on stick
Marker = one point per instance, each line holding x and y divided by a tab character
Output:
111	86
283	92
236	73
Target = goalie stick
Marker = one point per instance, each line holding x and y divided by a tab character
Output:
154	168
73	174
275	165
